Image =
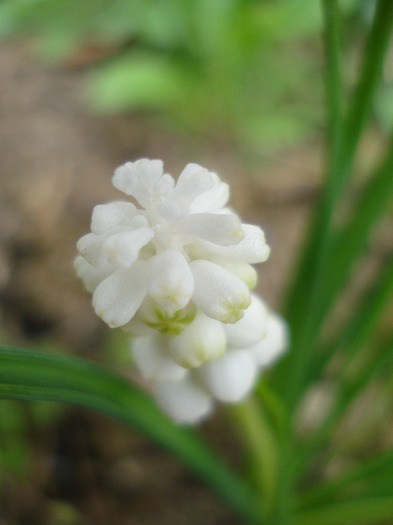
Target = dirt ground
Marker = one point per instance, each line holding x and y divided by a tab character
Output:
56	164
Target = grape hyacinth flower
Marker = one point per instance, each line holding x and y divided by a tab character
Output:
181	251
174	270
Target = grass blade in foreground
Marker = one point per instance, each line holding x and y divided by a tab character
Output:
33	375
369	472
340	162
366	511
354	334
349	243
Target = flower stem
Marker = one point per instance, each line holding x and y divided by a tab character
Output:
261	446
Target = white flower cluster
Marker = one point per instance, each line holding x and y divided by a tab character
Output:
176	274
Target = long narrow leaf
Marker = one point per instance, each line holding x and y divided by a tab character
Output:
333	80
362	324
367	511
340	165
367	471
372	204
347	391
34	375
304	302
349	342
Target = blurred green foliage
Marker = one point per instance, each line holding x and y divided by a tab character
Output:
20	423
242	70
15	453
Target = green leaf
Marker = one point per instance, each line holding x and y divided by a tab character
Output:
370	472
355	512
350	341
360	327
34	375
304	299
329	257
333	80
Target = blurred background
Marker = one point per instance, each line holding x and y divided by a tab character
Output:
234	85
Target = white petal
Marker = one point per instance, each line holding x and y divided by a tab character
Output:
201	341
172	210
169	280
193	181
211	200
153	360
108	216
252	249
183	401
225	230
164	185
122	249
91	275
149	170
251	328
90	247
244	271
119	296
273	344
230	378
219	293
138	179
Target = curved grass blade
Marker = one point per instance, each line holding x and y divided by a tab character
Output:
362	324
371	472
333	80
347	391
33	375
304	300
342	158
348	244
364	511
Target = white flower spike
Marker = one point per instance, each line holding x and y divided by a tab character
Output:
175	248
173	270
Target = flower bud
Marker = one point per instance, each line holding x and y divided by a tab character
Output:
202	340
218	293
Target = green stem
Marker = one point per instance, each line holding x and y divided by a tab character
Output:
261	446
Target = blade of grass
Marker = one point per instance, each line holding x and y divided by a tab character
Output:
302	288
371	469
347	391
305	299
348	245
349	342
333	80
363	322
341	159
355	512
32	375
372	204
